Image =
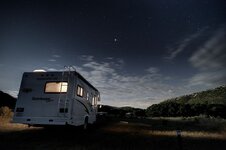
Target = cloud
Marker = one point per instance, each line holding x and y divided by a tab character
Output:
56	56
13	93
52	60
87	57
152	70
208	79
119	89
212	54
51	69
109	58
210	62
173	52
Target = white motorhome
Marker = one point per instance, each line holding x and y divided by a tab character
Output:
56	98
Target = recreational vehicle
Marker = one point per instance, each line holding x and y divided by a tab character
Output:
56	98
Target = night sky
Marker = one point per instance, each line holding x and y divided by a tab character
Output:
136	52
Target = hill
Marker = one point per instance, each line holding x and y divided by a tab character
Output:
7	100
210	103
212	96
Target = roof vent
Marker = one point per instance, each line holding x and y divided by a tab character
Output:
39	70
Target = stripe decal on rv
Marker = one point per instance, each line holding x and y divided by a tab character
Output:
86	109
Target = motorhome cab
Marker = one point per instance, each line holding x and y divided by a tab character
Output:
56	98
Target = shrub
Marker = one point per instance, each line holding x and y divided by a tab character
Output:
5	112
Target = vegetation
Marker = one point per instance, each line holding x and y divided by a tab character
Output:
122	112
208	103
5	114
7	100
154	133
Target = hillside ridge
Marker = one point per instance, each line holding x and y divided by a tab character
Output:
211	96
209	103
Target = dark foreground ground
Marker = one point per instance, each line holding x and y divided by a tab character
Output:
129	134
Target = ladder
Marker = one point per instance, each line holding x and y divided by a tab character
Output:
64	101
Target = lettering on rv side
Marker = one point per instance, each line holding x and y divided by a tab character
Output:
47	99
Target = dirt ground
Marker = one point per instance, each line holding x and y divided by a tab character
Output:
117	135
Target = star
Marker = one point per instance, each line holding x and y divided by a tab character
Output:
115	40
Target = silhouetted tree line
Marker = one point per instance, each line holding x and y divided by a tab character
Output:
210	103
172	109
122	112
7	100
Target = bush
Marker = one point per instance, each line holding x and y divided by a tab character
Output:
5	112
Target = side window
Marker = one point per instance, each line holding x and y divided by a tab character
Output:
94	100
80	91
87	96
56	87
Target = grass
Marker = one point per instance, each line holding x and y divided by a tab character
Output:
153	133
193	127
6	126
